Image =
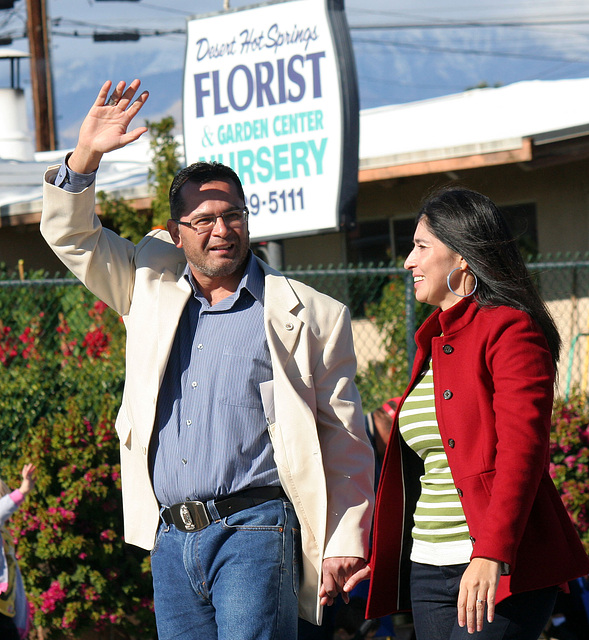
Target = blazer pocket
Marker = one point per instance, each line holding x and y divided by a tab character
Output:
123	429
476	495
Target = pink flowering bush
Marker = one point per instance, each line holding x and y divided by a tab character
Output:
62	376
569	453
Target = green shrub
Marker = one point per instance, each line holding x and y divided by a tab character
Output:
569	454
62	383
54	341
385	379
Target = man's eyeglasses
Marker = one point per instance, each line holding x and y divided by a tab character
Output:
233	219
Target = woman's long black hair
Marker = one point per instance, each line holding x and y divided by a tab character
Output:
470	224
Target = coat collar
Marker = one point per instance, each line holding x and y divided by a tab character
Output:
447	322
281	308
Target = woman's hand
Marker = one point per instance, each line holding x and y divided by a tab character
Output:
355	579
478	588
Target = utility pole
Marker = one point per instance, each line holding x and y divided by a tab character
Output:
41	75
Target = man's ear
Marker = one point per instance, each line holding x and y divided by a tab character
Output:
174	231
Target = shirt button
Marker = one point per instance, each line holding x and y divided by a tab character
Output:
447	394
447	349
184	461
451	443
200	347
188	423
194	384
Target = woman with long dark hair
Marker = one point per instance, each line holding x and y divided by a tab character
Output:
470	532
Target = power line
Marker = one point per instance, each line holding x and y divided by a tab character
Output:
479	52
135	34
95	29
167	9
470	24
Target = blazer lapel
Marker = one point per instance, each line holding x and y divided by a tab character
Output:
281	304
174	291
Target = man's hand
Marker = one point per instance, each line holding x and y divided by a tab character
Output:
336	573
105	127
477	592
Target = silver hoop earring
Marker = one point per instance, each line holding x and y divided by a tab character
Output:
476	283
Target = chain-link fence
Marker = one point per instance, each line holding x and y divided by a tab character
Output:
46	323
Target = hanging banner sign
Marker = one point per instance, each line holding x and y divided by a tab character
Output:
271	91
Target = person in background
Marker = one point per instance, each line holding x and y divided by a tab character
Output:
470	532
378	427
349	622
244	458
14	608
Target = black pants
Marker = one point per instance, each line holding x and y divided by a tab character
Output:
8	629
434	596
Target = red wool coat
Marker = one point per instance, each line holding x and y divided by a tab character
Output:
493	384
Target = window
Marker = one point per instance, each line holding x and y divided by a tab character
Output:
370	242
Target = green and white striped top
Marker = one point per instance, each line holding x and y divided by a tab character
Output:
440	533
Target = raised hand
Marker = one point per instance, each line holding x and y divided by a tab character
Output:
28	478
105	127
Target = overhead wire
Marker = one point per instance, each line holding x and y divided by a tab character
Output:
558	22
477	52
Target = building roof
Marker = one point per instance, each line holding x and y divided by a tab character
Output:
123	172
480	121
406	139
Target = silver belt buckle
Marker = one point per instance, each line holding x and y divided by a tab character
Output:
194	516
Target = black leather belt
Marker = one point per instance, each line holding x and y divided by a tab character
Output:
193	515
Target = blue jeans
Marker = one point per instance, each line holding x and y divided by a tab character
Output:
236	579
434	597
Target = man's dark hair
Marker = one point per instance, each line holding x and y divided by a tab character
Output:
200	173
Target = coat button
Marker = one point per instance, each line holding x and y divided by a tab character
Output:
447	394
447	349
472	539
451	443
289	326
459	491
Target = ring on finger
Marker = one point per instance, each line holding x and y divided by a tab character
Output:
481	601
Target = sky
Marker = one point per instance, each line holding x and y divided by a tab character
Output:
405	50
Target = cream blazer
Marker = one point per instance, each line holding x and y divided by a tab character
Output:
325	462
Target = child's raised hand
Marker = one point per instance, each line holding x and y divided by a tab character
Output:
28	478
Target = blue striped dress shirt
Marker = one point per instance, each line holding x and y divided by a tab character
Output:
210	437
